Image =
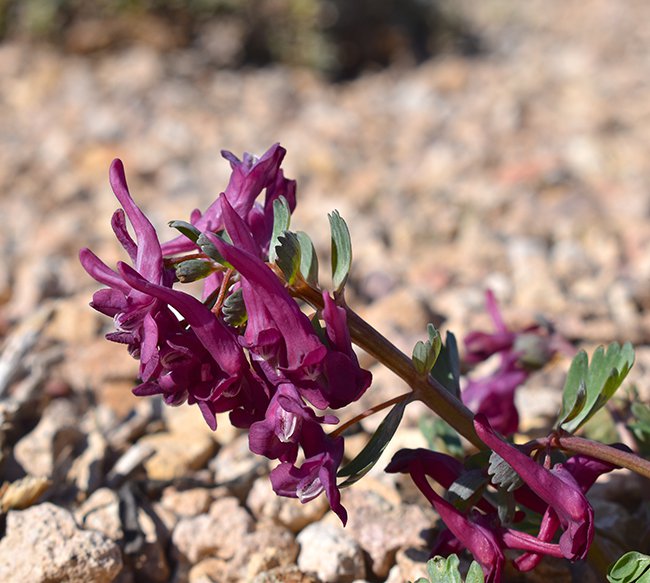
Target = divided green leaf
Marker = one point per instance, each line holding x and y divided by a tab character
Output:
210	250
185	228
475	574
632	567
502	473
446	570
446	369
288	256
441	436
506	506
281	220
376	445
426	353
590	385
467	489
308	259
234	309
341	250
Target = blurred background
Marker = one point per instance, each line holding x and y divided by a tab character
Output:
498	144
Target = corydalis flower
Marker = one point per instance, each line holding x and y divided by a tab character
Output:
133	311
557	488
249	177
222	369
521	352
316	474
472	534
281	338
280	434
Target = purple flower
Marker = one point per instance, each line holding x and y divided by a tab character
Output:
520	354
316	474
134	312
249	177
473	534
494	395
582	470
223	367
279	435
281	338
557	487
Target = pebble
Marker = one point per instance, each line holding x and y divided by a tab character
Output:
43	544
177	454
56	431
219	533
381	527
264	503
330	552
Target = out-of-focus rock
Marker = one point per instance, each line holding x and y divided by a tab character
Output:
44	544
176	454
218	534
22	493
381	527
290	512
186	503
101	513
236	468
330	552
291	574
56	433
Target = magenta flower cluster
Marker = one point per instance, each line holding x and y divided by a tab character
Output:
272	374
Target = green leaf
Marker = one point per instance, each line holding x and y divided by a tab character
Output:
446	369
441	436
467	489
443	570
505	506
308	259
502	473
640	426
234	309
281	220
376	445
288	256
600	380
426	353
185	228
446	570
475	574
572	403
632	567
210	250
193	270
341	250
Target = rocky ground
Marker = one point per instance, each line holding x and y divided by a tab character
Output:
524	169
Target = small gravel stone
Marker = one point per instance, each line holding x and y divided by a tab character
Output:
177	454
331	553
290	512
186	503
43	544
219	533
